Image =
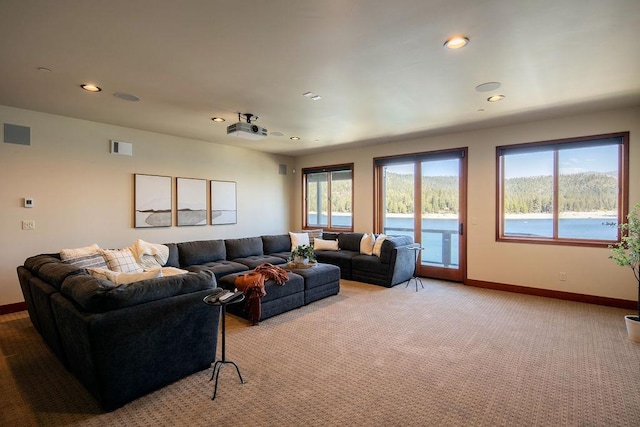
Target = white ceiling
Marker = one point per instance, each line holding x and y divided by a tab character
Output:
379	65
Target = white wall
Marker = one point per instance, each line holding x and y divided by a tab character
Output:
83	194
589	271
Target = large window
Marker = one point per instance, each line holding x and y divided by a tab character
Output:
568	191
328	197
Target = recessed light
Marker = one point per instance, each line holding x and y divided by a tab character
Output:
89	87
316	97
295	138
276	133
218	119
456	42
495	98
45	69
126	97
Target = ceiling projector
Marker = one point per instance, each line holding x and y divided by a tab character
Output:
246	130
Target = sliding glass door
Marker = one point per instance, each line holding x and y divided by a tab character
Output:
423	196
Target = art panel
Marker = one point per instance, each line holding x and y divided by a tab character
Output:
223	203
152	201
192	201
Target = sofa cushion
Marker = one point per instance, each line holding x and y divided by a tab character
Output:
274	291
200	252
219	268
340	258
35	262
120	278
276	244
100	295
256	260
54	273
242	248
350	241
174	256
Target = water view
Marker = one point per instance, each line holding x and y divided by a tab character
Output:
440	235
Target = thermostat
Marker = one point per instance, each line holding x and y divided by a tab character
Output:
28	202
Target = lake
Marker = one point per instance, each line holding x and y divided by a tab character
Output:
435	229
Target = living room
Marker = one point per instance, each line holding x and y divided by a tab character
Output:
84	194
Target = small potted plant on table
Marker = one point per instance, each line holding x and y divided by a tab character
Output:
303	255
626	253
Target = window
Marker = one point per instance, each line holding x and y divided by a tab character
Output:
568	191
328	197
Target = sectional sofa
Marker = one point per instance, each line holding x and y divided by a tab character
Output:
123	341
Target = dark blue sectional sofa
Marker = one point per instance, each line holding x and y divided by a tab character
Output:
98	330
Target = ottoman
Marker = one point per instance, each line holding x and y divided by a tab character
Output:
320	281
279	299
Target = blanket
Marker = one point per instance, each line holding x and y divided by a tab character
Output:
252	286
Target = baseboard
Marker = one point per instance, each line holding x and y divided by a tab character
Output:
569	296
12	308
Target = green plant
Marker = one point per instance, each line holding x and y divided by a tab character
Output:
304	251
626	253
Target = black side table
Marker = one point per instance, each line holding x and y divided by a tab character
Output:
219	363
416	250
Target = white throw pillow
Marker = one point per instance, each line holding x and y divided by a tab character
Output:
325	245
298	239
367	243
85	257
121	260
378	246
150	255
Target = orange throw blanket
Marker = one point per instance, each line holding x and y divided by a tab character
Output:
252	285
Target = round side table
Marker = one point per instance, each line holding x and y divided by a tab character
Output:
212	300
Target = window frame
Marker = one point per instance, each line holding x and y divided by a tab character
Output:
326	169
555	146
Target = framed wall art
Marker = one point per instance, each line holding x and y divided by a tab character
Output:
192	201
223	203
152	198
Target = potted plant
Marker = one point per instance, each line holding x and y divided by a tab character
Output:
626	253
303	254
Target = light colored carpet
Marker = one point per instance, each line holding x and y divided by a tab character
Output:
446	355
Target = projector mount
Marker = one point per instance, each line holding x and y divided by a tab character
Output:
248	117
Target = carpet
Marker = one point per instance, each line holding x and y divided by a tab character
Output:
448	355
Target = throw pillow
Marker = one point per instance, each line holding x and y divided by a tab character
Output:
367	243
298	239
325	245
85	257
121	260
120	278
313	234
378	246
150	255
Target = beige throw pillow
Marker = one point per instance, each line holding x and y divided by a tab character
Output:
367	243
298	239
378	246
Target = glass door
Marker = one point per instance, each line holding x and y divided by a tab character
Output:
441	222
423	196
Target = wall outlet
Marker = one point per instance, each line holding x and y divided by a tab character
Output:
29	225
563	276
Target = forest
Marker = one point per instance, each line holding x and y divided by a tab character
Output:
581	192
